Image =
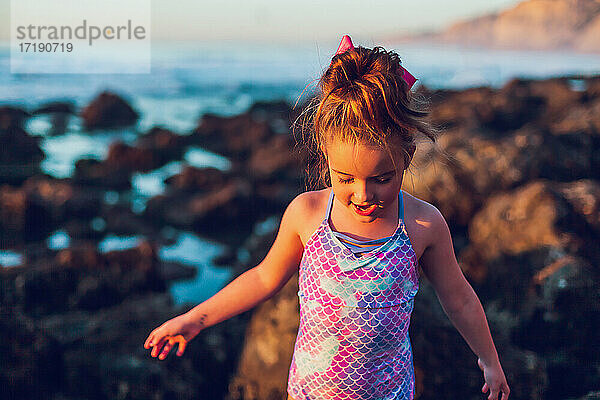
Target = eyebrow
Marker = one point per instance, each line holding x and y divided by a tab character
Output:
376	176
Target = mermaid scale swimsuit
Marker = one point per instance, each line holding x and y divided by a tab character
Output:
353	341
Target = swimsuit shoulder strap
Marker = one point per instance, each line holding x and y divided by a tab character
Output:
401	206
329	203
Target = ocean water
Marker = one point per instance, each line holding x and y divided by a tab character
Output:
191	79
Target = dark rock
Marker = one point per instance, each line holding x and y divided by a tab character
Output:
81	278
104	357
163	142
121	162
56	107
535	216
510	108
192	179
537	244
268	111
108	110
59	112
233	137
21	218
32	362
591	396
264	364
124	157
12	117
120	220
274	160
92	172
40	205
437	345
474	161
212	213
171	271
22	158
263	367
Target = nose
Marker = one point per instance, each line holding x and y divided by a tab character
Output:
362	193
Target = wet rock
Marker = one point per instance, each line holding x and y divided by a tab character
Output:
40	205
124	157
12	117
264	364
263	367
21	218
116	170
437	344
538	245
270	110
164	143
172	271
92	172
59	112
472	162
22	158
121	221
81	278
584	118
274	160
56	107
534	216
192	179
64	200
103	356
233	137
32	363
122	160
108	110
452	108
212	213
591	396
510	108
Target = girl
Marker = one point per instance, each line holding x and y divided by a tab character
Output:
356	244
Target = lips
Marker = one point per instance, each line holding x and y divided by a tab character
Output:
364	210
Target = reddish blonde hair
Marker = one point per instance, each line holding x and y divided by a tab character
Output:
363	98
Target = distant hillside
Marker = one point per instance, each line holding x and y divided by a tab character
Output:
530	25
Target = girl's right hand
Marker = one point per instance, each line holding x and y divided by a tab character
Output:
178	330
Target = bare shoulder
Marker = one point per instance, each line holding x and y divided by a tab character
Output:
424	222
307	211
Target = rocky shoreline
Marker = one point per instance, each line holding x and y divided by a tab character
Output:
517	178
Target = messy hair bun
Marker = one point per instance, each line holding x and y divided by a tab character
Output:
364	98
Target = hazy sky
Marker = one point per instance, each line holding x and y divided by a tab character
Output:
305	20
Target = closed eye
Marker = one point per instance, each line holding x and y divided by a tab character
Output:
377	180
382	180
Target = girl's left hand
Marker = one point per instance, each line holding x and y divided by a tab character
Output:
495	381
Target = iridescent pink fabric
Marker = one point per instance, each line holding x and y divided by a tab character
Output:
355	312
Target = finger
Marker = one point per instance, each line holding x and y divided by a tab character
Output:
181	347
493	394
156	348
148	342
484	388
505	391
166	350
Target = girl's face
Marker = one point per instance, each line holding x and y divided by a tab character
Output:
364	179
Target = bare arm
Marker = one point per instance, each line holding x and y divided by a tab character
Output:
243	293
461	304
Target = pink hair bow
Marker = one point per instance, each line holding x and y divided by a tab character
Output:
346	44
